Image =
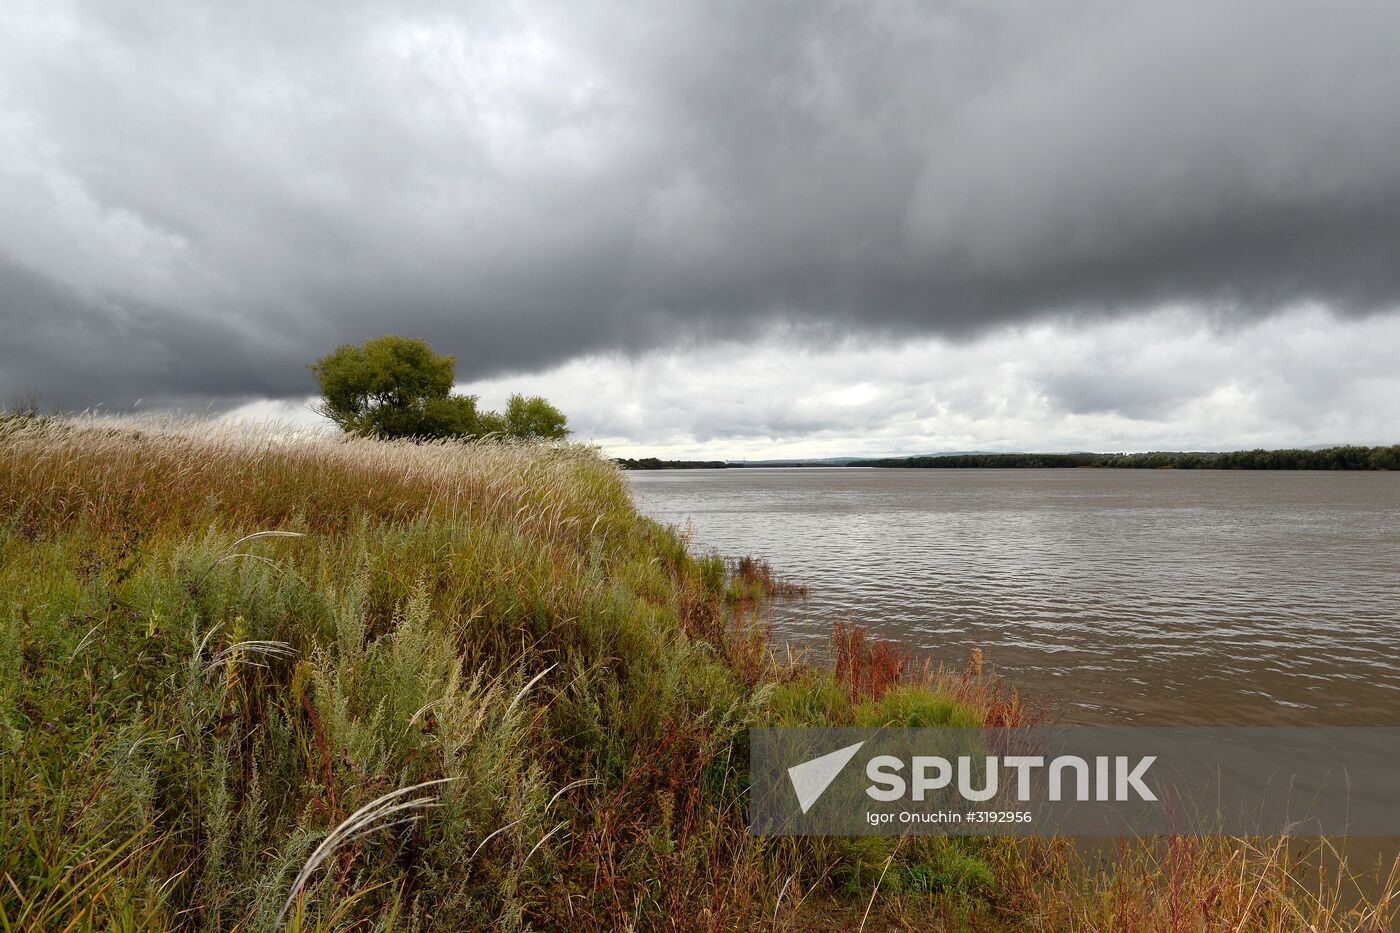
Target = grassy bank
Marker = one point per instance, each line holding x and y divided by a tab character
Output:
256	676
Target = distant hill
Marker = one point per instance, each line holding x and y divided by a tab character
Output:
1327	458
836	461
1342	457
816	462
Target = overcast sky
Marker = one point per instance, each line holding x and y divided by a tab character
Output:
744	229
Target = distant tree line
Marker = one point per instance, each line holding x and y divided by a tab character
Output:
996	461
1329	458
652	463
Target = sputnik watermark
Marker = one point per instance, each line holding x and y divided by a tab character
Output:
1074	781
811	778
1114	778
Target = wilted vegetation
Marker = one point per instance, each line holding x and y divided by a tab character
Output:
251	678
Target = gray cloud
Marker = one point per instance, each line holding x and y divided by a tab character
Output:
1164	380
196	199
1135	395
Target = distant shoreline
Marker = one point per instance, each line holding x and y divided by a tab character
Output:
1328	458
652	463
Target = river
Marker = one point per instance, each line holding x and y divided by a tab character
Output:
1107	596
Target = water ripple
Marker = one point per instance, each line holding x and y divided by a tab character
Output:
1181	596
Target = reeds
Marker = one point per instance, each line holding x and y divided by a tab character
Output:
1180	884
868	666
752	579
382	813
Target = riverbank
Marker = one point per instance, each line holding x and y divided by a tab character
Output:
220	645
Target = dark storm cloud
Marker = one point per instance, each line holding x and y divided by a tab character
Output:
198	198
82	348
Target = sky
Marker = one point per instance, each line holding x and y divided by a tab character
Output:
728	230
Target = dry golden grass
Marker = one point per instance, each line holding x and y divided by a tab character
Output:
170	472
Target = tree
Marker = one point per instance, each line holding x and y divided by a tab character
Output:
534	419
395	386
25	404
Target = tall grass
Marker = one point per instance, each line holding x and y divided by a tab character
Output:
261	678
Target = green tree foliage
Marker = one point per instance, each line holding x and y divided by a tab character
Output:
534	418
394	386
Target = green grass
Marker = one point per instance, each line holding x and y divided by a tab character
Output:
186	715
194	717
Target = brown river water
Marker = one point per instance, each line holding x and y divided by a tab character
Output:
1150	597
